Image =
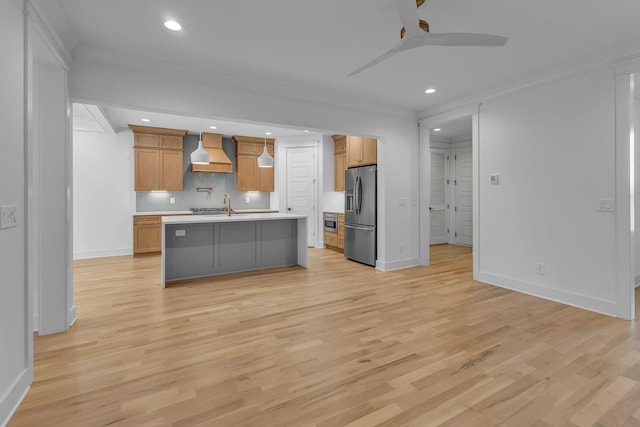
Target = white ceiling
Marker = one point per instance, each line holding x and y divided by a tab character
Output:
452	129
310	46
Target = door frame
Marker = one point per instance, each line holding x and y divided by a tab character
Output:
279	196
425	125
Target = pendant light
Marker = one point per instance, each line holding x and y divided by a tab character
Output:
200	156
265	160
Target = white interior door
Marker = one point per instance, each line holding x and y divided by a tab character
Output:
438	203
301	186
463	190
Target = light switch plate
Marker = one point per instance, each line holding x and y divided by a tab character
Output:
8	216
494	178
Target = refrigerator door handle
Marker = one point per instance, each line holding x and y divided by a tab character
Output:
359	194
355	194
358	227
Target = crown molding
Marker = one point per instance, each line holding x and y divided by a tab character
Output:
40	24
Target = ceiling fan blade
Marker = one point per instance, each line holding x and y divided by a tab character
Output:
464	39
408	11
388	54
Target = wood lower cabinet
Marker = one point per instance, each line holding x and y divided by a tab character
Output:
158	158
335	240
250	177
341	231
339	161
147	234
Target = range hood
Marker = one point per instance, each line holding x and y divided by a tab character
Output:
219	163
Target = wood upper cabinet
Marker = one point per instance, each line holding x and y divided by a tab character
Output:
249	177
171	170
339	161
158	160
361	151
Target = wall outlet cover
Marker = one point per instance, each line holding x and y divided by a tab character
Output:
8	216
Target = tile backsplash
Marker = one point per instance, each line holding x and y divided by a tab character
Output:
220	183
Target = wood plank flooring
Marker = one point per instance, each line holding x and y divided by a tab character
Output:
339	344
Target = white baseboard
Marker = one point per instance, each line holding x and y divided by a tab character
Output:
103	253
16	394
72	316
397	265
558	295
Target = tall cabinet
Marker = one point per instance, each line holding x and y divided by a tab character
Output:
339	161
158	154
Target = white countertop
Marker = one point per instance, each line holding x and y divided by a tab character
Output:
162	213
233	218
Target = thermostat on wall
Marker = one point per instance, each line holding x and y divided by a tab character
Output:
494	178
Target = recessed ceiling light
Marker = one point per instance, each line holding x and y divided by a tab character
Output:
437	130
267	133
145	120
173	25
430	90
213	127
306	130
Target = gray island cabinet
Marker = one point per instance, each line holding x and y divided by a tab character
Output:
200	246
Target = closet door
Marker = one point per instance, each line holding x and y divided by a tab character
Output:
438	203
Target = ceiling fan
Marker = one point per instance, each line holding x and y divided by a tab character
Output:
415	33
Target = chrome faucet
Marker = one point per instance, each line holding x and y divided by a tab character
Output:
227	203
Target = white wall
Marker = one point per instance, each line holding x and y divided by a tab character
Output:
16	371
554	149
102	194
99	78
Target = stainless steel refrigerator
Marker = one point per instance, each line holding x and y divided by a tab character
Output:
360	214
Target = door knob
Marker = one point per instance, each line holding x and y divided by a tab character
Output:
429	207
288	209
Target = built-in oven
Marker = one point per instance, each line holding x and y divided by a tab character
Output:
331	222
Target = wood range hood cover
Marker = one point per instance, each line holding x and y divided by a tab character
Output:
219	163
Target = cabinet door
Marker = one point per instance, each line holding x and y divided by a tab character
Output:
146	238
171	141
354	151
369	151
264	178
147	169
146	140
246	172
341	231
171	170
338	172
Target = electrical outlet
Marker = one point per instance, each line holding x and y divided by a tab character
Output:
247	199
540	268
8	216
172	200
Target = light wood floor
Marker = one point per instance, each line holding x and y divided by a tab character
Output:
337	344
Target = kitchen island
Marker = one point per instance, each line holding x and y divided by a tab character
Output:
207	245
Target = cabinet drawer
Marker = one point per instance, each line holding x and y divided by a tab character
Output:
330	239
147	219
